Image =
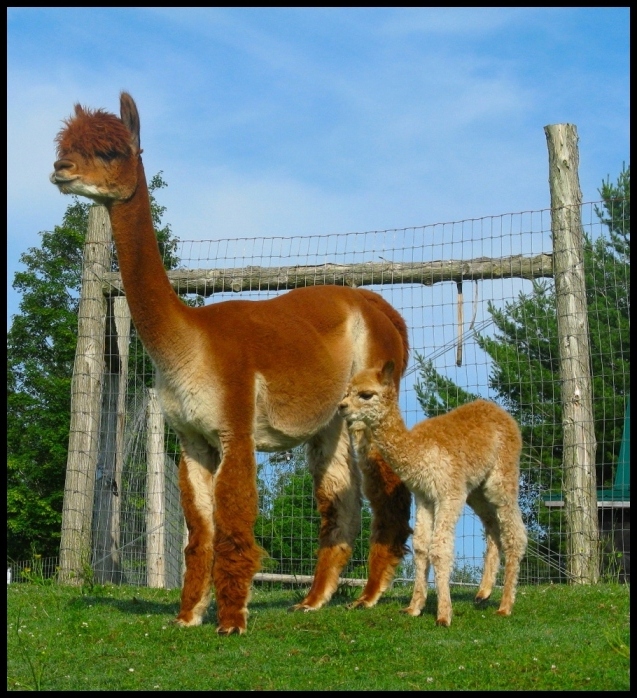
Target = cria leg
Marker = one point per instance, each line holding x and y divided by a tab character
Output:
421	543
237	557
337	492
487	513
391	504
514	542
490	569
446	518
196	472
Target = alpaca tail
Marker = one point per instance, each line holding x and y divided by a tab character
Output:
394	316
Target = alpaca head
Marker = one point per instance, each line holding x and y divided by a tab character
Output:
98	153
370	394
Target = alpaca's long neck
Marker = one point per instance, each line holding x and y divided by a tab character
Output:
394	441
158	313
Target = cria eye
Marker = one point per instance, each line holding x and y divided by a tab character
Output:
366	395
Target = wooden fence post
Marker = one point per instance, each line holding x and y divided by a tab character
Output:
107	565
580	488
155	495
86	389
122	318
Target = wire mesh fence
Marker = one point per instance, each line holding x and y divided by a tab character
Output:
478	297
37	570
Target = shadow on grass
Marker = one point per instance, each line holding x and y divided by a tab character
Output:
131	602
133	605
459	595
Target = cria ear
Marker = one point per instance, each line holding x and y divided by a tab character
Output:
130	117
387	373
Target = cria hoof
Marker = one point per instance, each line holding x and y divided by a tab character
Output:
410	611
443	622
181	623
302	607
358	604
230	631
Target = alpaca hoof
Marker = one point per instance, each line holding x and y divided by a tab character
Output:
502	612
183	623
443	622
359	603
302	607
232	630
411	611
480	599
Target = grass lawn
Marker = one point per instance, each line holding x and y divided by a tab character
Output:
120	638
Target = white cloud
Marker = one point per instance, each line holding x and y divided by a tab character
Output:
286	122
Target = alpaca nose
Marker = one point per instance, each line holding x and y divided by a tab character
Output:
62	172
63	165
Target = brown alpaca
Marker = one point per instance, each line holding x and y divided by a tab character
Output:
469	455
240	375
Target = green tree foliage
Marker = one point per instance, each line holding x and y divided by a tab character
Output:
40	354
288	524
616	212
525	362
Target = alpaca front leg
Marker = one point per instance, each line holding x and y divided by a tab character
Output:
195	484
337	492
446	518
391	507
236	555
421	542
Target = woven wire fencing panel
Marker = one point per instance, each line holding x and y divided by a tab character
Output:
481	320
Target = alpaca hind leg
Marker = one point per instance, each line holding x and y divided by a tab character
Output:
236	555
490	569
487	513
446	518
337	491
514	540
421	543
390	501
196	472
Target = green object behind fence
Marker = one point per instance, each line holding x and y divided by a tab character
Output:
621	485
620	491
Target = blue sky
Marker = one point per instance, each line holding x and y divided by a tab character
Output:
326	120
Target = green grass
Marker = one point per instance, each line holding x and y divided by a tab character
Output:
120	638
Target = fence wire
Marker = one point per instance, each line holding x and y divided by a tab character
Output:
487	333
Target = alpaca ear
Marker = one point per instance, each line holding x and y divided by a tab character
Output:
387	373
130	117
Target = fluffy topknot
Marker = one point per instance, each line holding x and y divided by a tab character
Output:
94	133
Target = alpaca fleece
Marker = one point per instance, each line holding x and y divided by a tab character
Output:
470	455
236	376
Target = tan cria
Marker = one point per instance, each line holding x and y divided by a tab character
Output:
470	455
238	376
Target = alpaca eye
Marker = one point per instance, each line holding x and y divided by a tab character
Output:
108	156
366	396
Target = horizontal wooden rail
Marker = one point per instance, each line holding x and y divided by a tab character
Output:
205	282
303	579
